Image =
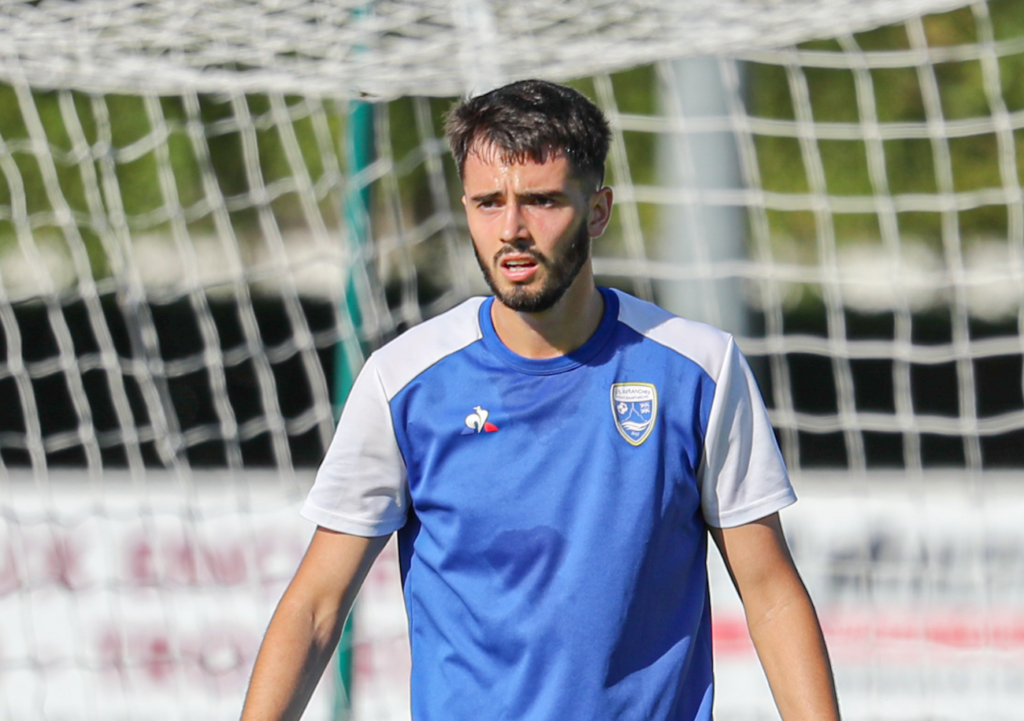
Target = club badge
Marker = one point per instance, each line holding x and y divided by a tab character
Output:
634	408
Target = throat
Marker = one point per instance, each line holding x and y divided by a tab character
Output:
552	333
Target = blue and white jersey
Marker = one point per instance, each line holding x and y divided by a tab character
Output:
552	514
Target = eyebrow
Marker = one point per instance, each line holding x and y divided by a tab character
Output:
529	196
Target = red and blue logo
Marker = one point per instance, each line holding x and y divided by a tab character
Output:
476	422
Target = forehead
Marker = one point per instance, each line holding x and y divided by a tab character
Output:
490	166
491	151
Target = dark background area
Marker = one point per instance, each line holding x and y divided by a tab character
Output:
934	390
190	393
934	387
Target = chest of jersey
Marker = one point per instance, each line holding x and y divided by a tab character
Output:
482	428
609	446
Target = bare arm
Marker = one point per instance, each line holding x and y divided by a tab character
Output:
307	624
781	619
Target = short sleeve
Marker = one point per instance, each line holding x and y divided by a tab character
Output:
743	476
361	486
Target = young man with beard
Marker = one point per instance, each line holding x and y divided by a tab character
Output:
553	460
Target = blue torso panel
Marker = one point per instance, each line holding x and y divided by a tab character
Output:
554	556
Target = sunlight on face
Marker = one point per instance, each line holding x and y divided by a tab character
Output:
528	222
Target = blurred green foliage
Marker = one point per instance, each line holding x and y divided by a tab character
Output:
159	163
165	162
899	97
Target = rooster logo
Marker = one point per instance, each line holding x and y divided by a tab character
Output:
476	422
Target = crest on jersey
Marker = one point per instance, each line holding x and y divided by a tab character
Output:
635	409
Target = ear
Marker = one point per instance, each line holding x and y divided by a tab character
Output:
600	212
464	201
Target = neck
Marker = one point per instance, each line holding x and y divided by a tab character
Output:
561	329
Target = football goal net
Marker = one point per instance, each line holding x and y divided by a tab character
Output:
210	212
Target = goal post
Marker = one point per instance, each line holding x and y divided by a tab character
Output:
197	251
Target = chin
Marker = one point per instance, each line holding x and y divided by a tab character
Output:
533	301
546	288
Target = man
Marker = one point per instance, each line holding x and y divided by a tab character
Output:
552	459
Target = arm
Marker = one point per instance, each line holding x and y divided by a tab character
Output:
781	619
307	624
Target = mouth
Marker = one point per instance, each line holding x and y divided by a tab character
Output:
518	268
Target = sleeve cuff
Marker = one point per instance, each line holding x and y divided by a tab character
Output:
755	512
346	524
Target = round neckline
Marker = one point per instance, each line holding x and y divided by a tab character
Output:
558	364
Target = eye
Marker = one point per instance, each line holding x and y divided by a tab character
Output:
543	201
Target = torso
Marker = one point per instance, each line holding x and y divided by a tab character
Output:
554	561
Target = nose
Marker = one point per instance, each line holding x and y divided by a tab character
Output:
513	227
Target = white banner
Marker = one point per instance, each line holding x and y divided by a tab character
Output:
129	602
140	601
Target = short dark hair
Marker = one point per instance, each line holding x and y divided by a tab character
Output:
532	120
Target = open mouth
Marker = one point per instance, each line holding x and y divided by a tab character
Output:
518	268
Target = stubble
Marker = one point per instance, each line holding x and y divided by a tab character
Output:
560	272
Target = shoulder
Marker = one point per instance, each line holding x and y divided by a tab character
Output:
705	345
423	345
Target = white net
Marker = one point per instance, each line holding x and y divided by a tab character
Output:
202	232
392	48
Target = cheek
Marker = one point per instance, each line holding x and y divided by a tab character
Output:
564	233
479	228
484	238
551	228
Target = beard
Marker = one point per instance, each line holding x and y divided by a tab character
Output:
561	272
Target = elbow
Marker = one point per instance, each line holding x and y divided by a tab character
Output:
321	619
326	625
774	596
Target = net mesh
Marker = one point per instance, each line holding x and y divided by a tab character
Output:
195	255
392	48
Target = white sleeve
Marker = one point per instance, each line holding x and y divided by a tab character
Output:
361	486
743	477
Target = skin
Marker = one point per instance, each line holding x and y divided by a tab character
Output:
524	219
519	211
780	618
307	624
